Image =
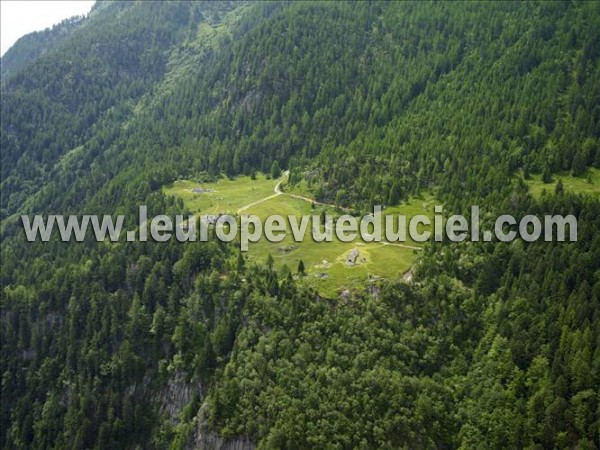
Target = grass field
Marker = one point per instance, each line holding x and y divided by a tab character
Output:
228	196
325	263
588	183
300	188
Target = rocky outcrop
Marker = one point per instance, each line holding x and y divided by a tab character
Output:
212	441
204	439
176	394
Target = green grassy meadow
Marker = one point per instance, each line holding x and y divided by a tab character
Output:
325	263
588	183
228	196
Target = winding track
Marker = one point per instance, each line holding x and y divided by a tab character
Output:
277	192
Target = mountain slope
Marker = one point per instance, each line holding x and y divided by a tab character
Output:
156	345
76	93
28	48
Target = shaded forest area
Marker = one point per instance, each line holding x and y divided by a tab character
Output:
494	345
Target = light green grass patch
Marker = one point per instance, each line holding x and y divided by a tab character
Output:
228	197
325	263
588	183
300	188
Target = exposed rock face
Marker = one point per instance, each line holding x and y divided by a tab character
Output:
352	257
287	248
203	439
374	290
212	441
176	394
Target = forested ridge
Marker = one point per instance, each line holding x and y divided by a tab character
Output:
170	345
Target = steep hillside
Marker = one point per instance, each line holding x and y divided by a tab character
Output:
31	46
75	97
416	88
166	345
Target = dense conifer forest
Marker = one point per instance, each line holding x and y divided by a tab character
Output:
109	345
